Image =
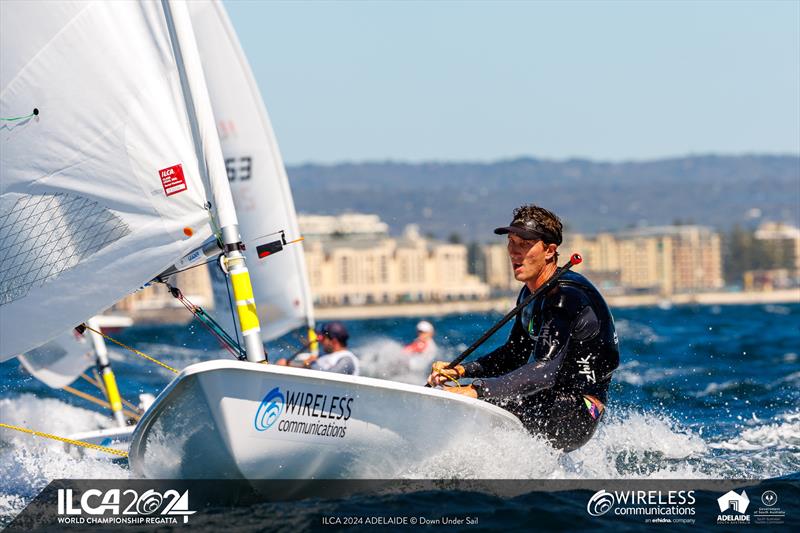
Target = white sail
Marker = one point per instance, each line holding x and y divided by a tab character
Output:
101	191
61	361
256	173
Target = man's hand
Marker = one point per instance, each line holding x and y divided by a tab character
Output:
465	391
281	362
440	374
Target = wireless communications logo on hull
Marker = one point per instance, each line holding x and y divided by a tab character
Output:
302	412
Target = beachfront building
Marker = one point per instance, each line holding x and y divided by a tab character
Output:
357	263
780	244
660	259
663	260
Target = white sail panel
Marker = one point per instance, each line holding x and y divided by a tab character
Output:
256	173
98	189
61	361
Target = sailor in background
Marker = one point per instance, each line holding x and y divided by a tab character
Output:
337	358
554	370
424	343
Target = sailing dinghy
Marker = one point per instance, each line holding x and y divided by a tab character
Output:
223	419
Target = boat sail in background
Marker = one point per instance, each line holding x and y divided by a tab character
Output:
257	176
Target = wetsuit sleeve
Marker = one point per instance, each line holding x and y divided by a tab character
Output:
567	317
510	355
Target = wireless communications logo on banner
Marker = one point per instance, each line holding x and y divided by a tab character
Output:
600	503
123	506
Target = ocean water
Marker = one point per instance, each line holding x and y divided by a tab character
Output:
702	392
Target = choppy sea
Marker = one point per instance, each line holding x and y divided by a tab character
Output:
701	392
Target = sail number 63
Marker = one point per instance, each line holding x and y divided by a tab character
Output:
239	168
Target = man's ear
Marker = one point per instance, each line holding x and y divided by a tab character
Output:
550	252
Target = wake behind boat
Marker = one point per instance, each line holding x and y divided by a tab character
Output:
231	419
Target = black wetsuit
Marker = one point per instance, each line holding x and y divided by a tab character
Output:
562	348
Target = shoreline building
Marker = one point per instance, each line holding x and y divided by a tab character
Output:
780	243
352	260
662	260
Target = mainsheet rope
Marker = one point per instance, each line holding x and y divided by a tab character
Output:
134	350
74	442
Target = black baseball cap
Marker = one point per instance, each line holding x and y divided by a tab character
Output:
529	230
334	330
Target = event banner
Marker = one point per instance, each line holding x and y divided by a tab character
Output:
478	505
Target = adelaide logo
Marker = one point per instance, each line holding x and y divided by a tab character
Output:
270	410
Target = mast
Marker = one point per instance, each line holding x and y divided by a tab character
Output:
209	154
104	367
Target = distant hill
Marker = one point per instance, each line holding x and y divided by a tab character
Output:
472	198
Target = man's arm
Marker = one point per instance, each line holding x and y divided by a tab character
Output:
512	354
567	318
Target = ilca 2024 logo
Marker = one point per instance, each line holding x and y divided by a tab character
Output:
123	506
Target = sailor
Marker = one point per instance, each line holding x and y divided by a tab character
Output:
337	358
424	343
554	370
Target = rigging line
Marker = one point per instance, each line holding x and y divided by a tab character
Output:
134	350
125	402
205	319
11	119
81	443
98	401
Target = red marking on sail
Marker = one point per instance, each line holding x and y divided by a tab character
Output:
172	180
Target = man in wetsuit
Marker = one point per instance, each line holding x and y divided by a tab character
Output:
554	370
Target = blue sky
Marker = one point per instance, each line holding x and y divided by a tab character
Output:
481	81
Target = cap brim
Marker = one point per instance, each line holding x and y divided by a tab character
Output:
522	232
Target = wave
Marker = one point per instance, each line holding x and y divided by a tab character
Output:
635	331
33	461
384	358
628	373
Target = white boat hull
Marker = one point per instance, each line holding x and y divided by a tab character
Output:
114	438
231	419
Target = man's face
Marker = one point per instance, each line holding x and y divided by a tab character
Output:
528	258
327	344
